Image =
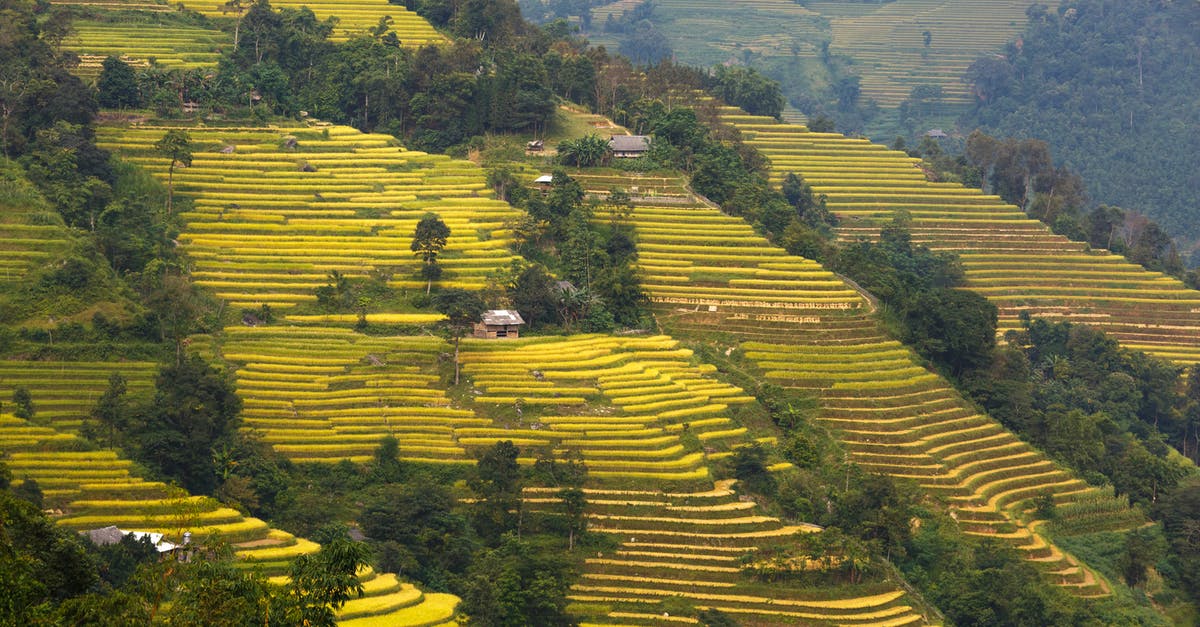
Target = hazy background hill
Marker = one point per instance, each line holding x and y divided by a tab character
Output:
1113	85
1109	84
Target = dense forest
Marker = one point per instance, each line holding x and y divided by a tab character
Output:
1111	85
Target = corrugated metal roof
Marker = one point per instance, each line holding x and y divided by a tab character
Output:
629	143
501	317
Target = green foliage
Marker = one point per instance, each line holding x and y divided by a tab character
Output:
321	583
417	530
588	151
810	208
40	563
956	329
22	402
496	483
750	469
1179	511
749	90
1133	58
195	411
516	584
536	295
428	241
1101	409
118	85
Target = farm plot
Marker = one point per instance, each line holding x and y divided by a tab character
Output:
690	544
25	245
173	47
622	403
1011	259
321	394
894	416
354	17
65	393
887	42
89	489
271	222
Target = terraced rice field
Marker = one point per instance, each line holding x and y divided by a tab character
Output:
354	17
688	544
323	394
65	393
139	44
806	329
270	223
622	403
1013	260
887	43
88	489
25	245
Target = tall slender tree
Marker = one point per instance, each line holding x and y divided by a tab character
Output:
177	146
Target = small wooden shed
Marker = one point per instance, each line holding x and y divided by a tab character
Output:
499	324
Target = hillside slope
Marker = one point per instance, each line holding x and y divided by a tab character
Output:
1013	260
90	489
711	275
278	209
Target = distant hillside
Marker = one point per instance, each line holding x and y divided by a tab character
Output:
1112	85
839	58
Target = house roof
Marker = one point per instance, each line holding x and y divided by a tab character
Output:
629	143
936	132
502	317
112	535
545	178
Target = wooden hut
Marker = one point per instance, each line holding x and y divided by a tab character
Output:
499	324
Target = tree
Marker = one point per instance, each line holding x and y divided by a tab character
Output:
428	241
195	410
585	152
462	310
496	482
237	8
750	468
322	583
516	585
176	145
110	410
118	85
535	295
40	563
426	539
23	403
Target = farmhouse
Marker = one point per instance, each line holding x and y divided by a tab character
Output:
499	323
629	146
